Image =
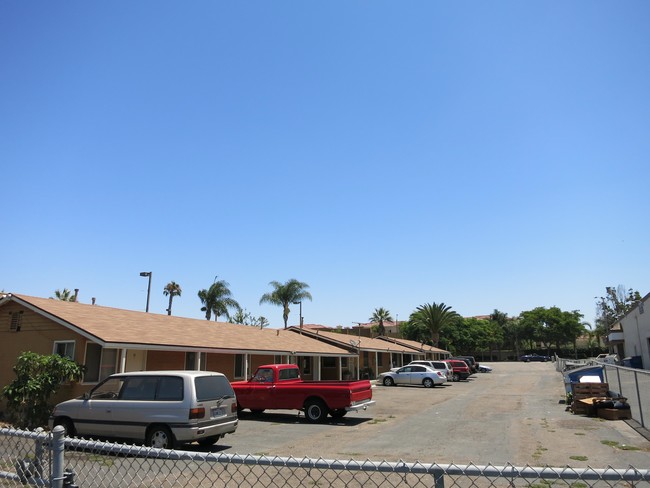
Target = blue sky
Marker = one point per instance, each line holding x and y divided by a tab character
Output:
488	155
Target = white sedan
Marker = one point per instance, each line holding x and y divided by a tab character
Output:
414	374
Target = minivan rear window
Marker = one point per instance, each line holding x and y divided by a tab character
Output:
212	388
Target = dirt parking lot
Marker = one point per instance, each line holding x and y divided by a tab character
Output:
512	415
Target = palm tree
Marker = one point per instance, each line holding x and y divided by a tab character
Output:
379	315
284	294
434	316
65	295
217	299
172	289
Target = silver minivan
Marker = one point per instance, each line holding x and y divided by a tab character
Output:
160	408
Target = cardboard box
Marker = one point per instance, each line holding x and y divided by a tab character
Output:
614	413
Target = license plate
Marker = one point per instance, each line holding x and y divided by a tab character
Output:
217	412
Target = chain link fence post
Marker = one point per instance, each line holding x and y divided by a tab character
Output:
58	450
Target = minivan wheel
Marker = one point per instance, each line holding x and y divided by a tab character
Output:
160	436
456	377
67	425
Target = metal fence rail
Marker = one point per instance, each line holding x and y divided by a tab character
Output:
633	384
92	464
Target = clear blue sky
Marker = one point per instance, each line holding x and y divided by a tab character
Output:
488	155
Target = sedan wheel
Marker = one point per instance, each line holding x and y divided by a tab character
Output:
388	381
428	383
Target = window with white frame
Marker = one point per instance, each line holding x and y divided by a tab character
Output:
64	349
100	363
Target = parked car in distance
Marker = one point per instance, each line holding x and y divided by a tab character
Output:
608	358
460	369
473	363
534	357
467	361
160	408
484	368
435	365
415	374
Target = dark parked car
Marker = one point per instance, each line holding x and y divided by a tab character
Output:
534	357
467	361
474	363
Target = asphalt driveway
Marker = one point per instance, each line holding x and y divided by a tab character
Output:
512	415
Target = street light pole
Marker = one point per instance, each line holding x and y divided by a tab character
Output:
299	303
147	273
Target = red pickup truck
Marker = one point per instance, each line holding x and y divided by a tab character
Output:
279	386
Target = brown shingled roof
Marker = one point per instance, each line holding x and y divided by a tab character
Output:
365	343
115	327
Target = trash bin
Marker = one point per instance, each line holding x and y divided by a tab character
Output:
633	362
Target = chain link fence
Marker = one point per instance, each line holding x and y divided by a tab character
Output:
50	460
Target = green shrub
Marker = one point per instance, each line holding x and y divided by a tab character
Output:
38	378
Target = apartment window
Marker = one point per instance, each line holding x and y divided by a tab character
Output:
100	363
306	365
380	359
16	320
64	349
344	362
190	361
329	362
239	366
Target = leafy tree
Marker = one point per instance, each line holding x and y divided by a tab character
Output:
611	308
434	316
217	300
243	317
415	332
38	377
552	326
284	294
172	289
379	315
65	295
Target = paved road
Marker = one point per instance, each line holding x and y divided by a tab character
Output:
512	415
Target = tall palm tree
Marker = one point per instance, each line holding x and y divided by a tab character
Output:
217	299
434	316
379	315
284	294
172	289
65	295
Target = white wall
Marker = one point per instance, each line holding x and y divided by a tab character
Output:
636	332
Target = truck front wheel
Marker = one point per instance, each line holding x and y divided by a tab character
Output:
315	411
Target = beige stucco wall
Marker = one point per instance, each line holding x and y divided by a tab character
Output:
37	334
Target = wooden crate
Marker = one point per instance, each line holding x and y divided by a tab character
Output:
614	413
588	390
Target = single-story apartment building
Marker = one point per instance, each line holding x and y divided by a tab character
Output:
108	340
375	354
